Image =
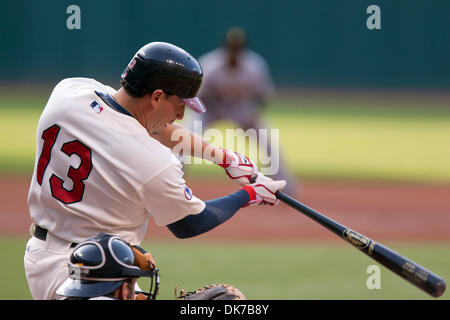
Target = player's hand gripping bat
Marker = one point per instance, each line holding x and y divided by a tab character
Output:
405	268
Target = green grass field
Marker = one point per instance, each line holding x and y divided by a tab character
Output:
294	271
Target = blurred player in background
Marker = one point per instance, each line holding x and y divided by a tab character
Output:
236	86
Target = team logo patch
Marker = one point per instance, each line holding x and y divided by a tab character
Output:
132	64
97	108
187	192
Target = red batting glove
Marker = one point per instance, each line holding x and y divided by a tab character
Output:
263	190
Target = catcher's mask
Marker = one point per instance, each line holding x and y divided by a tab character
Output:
100	265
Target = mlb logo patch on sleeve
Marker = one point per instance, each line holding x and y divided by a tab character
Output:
187	192
97	108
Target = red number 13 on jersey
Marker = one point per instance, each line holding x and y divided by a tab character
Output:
77	175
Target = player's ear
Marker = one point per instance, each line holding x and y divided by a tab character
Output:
157	95
153	98
125	291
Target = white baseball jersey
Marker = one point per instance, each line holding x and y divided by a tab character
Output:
98	170
225	89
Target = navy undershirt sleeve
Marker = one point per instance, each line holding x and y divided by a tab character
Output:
216	212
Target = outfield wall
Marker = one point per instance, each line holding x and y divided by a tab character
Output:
307	43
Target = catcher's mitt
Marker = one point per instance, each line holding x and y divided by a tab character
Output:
212	292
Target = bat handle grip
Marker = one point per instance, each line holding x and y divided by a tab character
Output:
283	196
280	195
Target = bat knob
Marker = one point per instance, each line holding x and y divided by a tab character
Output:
440	288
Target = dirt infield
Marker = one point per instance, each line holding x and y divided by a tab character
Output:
380	211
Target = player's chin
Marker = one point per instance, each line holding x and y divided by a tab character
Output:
158	129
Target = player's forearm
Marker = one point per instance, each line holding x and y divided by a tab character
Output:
184	142
216	212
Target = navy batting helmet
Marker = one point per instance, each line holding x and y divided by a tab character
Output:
161	65
99	266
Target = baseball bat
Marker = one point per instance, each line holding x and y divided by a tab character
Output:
402	266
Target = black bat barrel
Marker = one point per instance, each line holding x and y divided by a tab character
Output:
405	268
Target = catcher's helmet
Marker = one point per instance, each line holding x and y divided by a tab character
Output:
161	65
99	266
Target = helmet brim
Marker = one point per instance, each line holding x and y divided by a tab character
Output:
195	104
87	289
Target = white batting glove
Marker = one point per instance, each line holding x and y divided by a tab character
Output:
263	190
238	167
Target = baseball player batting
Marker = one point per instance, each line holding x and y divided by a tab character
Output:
104	164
